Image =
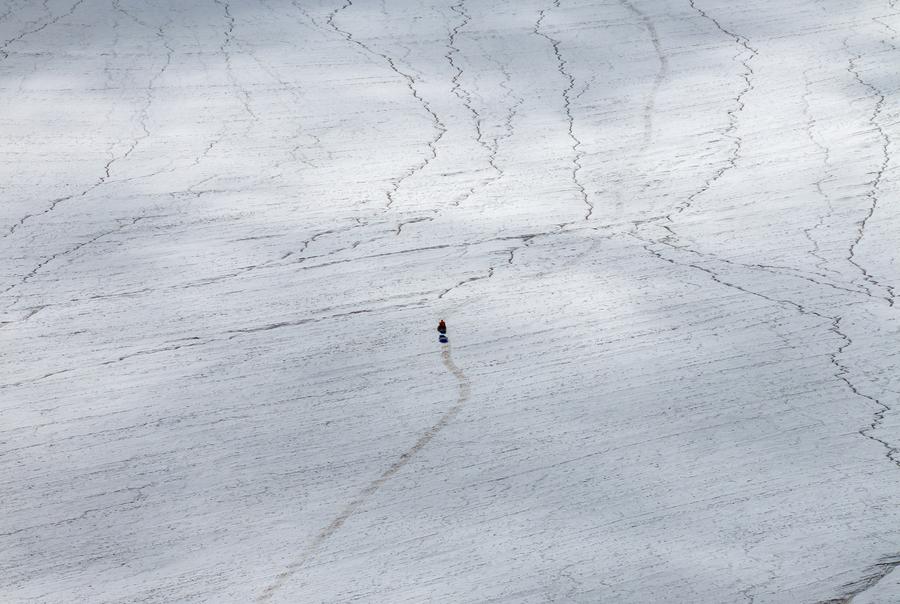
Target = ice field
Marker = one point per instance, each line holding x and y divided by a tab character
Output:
664	235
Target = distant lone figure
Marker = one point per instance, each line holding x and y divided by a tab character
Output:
442	327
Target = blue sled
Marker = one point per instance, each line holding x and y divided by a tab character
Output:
442	339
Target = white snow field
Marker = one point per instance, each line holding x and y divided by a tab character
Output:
664	235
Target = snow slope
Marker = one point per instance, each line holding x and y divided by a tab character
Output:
664	236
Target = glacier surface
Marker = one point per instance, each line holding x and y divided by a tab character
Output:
664	235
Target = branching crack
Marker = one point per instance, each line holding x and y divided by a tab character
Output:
731	130
36	269
508	127
821	261
466	98
561	64
834	325
227	42
438	126
143	119
402	224
490	273
144	113
873	193
52	21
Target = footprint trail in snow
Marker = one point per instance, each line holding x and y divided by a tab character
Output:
348	510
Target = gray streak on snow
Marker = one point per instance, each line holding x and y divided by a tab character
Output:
465	390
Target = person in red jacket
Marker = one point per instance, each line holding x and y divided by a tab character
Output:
442	328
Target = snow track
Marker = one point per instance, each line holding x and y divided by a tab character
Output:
373	487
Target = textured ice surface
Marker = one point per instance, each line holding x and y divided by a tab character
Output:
664	236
